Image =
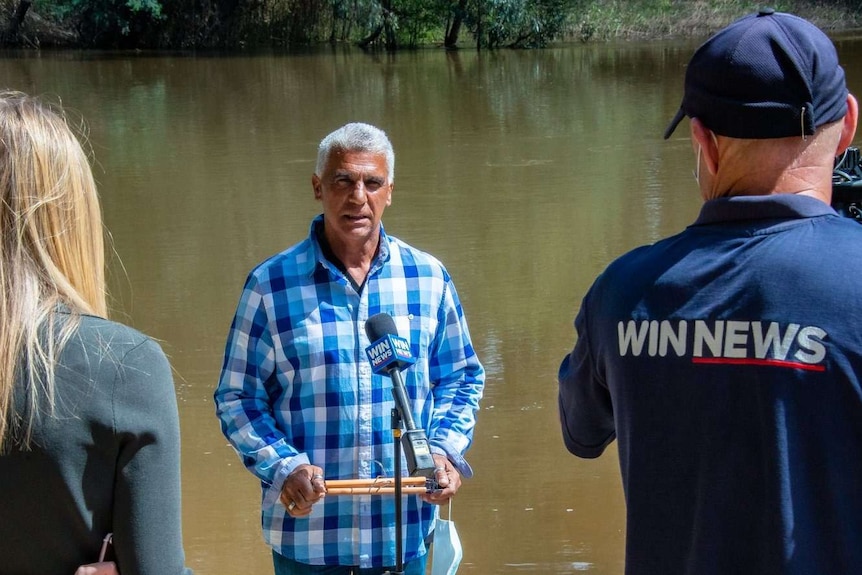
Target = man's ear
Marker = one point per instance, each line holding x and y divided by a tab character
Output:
705	138
315	185
389	199
849	129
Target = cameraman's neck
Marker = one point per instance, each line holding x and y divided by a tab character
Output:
767	167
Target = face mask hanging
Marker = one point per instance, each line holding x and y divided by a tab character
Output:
447	550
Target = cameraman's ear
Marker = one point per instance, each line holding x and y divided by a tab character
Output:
704	137
850	119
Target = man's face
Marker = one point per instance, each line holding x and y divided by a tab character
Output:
354	191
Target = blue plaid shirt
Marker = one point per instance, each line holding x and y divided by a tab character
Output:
296	387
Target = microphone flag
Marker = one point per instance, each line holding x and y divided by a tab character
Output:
388	353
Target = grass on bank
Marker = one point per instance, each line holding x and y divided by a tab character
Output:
661	19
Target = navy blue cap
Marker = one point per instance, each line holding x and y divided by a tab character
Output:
766	75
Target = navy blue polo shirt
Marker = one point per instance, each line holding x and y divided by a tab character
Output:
725	360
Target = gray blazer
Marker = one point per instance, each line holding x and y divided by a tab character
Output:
108	461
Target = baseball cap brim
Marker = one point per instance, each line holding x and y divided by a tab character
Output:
680	114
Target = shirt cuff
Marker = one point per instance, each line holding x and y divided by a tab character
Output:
456	458
272	492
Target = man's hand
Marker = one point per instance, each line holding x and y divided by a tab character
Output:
303	488
448	478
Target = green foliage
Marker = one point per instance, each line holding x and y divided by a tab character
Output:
519	23
393	24
107	23
419	21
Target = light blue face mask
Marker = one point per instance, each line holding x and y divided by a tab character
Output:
447	550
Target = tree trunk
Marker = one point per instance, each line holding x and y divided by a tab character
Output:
451	40
365	42
479	26
389	32
11	33
334	24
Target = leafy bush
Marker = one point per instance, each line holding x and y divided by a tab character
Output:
108	23
519	23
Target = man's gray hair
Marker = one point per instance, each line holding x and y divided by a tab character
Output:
356	137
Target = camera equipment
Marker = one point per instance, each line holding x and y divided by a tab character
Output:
847	184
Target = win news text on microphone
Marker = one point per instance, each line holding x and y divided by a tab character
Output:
389	354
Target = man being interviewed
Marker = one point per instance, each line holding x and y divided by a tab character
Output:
298	398
726	359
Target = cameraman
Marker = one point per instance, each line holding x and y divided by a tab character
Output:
726	359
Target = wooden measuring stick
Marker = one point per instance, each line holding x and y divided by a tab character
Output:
375	483
373	490
376	486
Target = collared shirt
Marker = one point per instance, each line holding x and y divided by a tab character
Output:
726	362
296	387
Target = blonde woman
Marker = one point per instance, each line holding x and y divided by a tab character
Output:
89	434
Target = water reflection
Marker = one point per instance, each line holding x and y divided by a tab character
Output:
525	172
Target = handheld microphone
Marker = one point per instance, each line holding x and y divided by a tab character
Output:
389	354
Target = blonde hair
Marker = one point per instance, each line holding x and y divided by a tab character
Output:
51	255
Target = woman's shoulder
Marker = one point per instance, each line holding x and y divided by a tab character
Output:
101	329
114	369
112	342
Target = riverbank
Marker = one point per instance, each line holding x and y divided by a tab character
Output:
191	24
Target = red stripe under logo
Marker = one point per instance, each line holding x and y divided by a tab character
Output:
748	361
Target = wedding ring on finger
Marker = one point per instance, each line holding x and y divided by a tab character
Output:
315	477
291	506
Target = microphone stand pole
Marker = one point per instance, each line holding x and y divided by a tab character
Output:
396	434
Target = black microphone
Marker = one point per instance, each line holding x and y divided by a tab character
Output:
389	354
